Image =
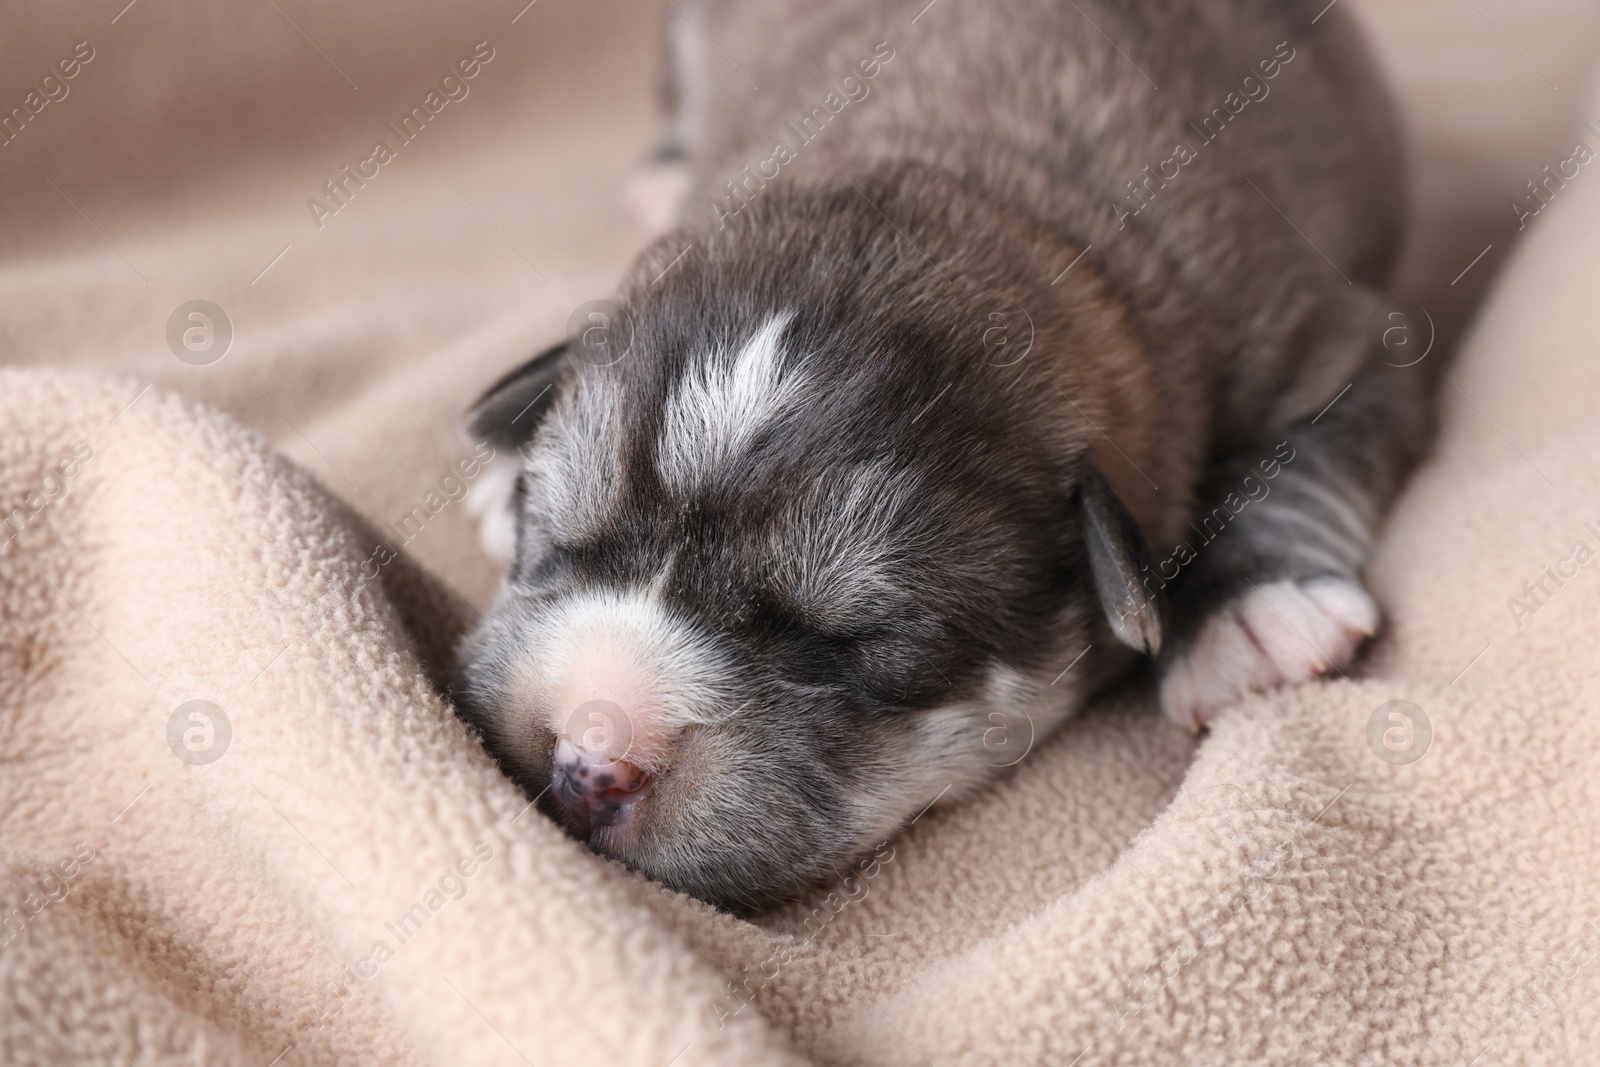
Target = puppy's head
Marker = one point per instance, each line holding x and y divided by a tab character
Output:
781	579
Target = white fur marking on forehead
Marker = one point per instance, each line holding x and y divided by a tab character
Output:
720	406
576	466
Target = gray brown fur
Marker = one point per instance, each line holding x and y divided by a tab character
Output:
985	157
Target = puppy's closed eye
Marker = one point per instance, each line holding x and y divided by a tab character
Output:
891	665
879	659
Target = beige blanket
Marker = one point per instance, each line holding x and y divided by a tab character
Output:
238	826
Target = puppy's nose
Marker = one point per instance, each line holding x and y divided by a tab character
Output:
594	789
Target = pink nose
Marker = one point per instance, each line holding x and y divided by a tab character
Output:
594	790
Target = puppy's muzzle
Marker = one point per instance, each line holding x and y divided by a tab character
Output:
593	790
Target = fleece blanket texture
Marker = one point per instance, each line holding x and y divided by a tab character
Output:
240	825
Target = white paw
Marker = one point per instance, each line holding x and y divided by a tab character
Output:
489	501
1279	634
654	194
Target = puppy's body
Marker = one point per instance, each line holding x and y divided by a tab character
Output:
900	394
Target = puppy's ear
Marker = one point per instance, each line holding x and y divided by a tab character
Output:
1118	554
509	412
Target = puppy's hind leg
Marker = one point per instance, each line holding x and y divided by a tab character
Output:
657	189
1273	594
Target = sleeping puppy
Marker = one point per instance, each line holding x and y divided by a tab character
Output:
881	462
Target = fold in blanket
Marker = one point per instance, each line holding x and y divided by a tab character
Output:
319	856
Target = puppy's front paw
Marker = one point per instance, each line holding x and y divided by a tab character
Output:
1282	633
